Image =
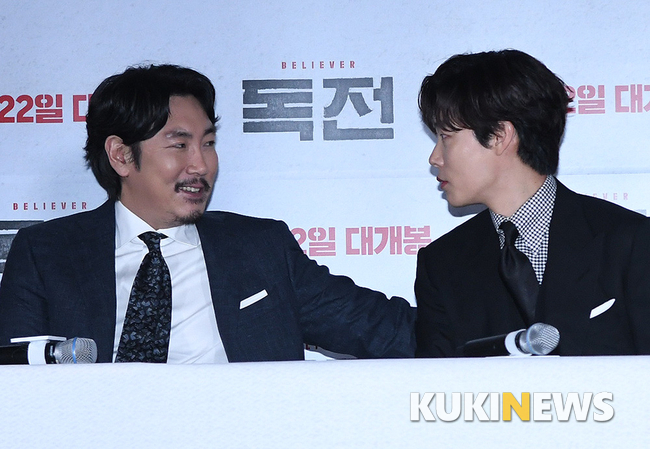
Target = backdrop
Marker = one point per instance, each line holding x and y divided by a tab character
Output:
318	103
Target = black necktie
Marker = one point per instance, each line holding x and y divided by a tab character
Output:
518	274
145	334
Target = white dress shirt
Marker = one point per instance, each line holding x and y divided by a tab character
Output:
194	335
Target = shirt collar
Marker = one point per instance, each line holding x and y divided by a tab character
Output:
128	226
533	218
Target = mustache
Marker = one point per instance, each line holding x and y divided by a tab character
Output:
189	182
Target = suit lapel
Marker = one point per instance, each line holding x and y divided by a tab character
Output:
569	278
217	244
92	244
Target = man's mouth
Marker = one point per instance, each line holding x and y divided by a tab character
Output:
193	186
442	182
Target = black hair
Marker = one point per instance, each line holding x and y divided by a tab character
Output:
480	91
134	106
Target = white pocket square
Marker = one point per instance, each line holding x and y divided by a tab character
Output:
604	307
252	299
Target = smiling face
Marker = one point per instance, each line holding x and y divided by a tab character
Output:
177	169
466	169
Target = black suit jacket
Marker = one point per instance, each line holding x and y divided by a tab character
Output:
598	251
59	279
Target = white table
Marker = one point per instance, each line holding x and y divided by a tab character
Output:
342	403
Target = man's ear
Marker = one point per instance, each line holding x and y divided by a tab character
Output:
505	138
119	155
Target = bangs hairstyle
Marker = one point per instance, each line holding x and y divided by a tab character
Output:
480	91
134	106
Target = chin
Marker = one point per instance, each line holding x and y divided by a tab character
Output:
454	202
190	218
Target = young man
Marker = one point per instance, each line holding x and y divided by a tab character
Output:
152	277
499	118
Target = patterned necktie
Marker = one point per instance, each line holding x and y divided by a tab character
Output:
518	274
145	334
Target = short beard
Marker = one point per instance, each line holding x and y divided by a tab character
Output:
195	216
190	219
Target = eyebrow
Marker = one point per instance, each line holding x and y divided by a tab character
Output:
183	133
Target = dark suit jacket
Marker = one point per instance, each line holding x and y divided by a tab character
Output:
59	279
597	251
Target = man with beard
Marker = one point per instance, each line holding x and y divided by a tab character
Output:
152	277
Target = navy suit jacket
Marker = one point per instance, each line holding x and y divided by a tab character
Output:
598	251
59	279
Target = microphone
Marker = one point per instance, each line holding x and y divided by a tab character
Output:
41	352
538	339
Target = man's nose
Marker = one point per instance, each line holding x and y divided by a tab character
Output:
435	158
197	163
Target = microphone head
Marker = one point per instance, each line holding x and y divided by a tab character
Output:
539	339
76	350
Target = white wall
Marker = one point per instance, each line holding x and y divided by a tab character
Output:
67	47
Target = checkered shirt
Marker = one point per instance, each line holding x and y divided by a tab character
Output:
533	220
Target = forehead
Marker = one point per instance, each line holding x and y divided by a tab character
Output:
186	107
186	119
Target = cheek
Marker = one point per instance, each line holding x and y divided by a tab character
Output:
172	168
213	161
